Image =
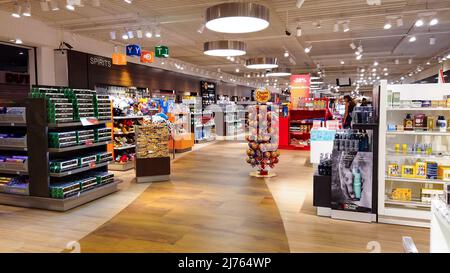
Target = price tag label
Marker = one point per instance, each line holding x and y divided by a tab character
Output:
89	121
92	165
69	172
12	124
89	143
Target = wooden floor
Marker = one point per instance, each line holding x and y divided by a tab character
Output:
212	205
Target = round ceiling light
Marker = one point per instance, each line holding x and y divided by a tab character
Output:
224	48
262	63
237	17
279	72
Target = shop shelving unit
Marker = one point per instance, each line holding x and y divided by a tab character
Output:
40	155
230	121
202	120
413	212
116	166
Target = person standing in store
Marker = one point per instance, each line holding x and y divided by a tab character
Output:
349	106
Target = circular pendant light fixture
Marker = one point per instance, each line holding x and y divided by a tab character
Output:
224	48
262	63
237	17
279	72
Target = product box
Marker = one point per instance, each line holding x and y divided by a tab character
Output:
429	194
421	170
408	171
395	99
57	166
444	173
64	190
420	122
394	170
447	193
401	194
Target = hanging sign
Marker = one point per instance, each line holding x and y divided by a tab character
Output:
161	51
300	85
133	50
119	59
262	95
147	56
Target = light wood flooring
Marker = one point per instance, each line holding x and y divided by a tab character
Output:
212	205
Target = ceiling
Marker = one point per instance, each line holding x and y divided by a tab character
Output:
179	21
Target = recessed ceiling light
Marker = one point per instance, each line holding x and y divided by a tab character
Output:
262	63
128	1
20	53
286	54
375	63
237	17
385	69
18	41
359	57
353	46
363	70
388	25
125	36
412	39
419	23
434	22
397	61
346	27
224	48
148	34
342	62
428	63
54	5
237	70
374	69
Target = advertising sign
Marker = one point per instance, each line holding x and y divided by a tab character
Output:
119	59
161	51
147	57
300	85
133	50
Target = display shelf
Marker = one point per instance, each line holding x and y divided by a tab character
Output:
8	171
418	156
115	166
415	180
440	227
124	147
129	117
12	124
12	148
58	204
79	170
364	126
413	213
407	203
78	147
418	109
418	133
76	124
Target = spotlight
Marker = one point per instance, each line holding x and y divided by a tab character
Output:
308	49
125	36
360	49
201	28
148	34
353	46
17	10
286	54
300	3
18	41
69	5
342	62
434	22
428	63
336	27
385	69
299	30
130	34
419	23
44	5
346	27
232	59
432	40
27	9
412	39
388	25
128	1
112	35
397	61
54	5
359	57
375	63
357	53
139	34
399	22
237	70
410	61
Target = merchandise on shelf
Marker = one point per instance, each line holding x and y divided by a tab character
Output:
13	114
62	165
104	157
102	107
13	140
263	138
62	139
14	185
352	141
67	164
85	137
325	164
14	163
102	134
82	101
124	156
152	140
363	115
80	184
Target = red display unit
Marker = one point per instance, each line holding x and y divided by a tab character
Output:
294	133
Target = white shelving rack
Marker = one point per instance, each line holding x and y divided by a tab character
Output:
413	213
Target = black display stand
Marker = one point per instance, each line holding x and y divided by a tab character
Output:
39	156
